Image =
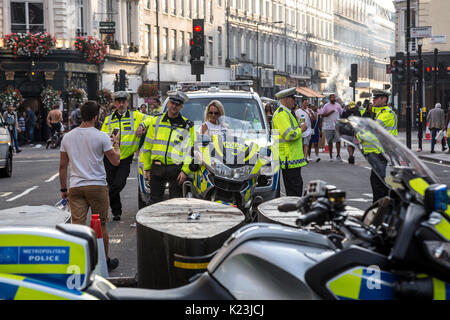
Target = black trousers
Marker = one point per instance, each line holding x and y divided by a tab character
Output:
158	182
293	181
379	163
116	176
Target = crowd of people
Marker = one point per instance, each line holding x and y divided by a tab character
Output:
321	124
102	141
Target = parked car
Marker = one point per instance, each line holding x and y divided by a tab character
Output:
239	104
6	150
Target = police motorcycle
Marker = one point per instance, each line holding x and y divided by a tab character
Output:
399	249
228	165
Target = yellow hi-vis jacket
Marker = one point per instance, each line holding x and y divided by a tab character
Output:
128	125
387	119
167	143
288	136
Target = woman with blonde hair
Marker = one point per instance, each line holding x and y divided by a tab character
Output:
213	123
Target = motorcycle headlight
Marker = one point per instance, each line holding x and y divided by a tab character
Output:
220	169
266	170
242	173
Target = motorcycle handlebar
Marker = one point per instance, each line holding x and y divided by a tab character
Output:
286	207
317	216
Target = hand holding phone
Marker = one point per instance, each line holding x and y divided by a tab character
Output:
115	136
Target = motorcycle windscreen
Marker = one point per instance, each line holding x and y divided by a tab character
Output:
383	151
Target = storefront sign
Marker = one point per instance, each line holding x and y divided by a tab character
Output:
9	75
81	67
280	80
421	32
438	39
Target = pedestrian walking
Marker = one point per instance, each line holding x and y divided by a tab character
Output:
387	119
30	124
447	121
83	149
22	134
75	118
351	111
317	127
127	122
305	116
288	134
436	122
10	117
54	120
330	113
167	148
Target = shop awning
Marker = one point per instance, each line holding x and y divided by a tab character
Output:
309	93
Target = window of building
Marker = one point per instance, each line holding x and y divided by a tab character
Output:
189	37
189	9
80	16
165	6
182	8
129	25
27	17
174	45
210	46
148	40
173	7
165	43
148	4
182	46
219	3
267	8
211	14
219	43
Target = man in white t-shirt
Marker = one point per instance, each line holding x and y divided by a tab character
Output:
303	116
330	113
83	148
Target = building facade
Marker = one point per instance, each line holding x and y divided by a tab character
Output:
173	19
432	13
311	43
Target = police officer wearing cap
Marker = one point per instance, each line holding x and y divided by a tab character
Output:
387	119
288	134
127	121
167	149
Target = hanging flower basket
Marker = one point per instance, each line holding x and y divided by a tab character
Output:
148	90
29	44
104	97
76	96
50	97
93	49
10	97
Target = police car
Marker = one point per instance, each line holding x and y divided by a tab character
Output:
240	102
6	150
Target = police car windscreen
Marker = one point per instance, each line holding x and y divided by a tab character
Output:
238	108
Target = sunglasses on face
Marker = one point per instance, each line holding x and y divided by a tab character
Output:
213	112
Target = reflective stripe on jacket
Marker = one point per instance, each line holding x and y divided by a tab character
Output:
387	119
128	124
288	134
167	143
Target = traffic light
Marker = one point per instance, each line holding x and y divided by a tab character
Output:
122	79
417	69
198	39
400	69
116	83
353	75
428	73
